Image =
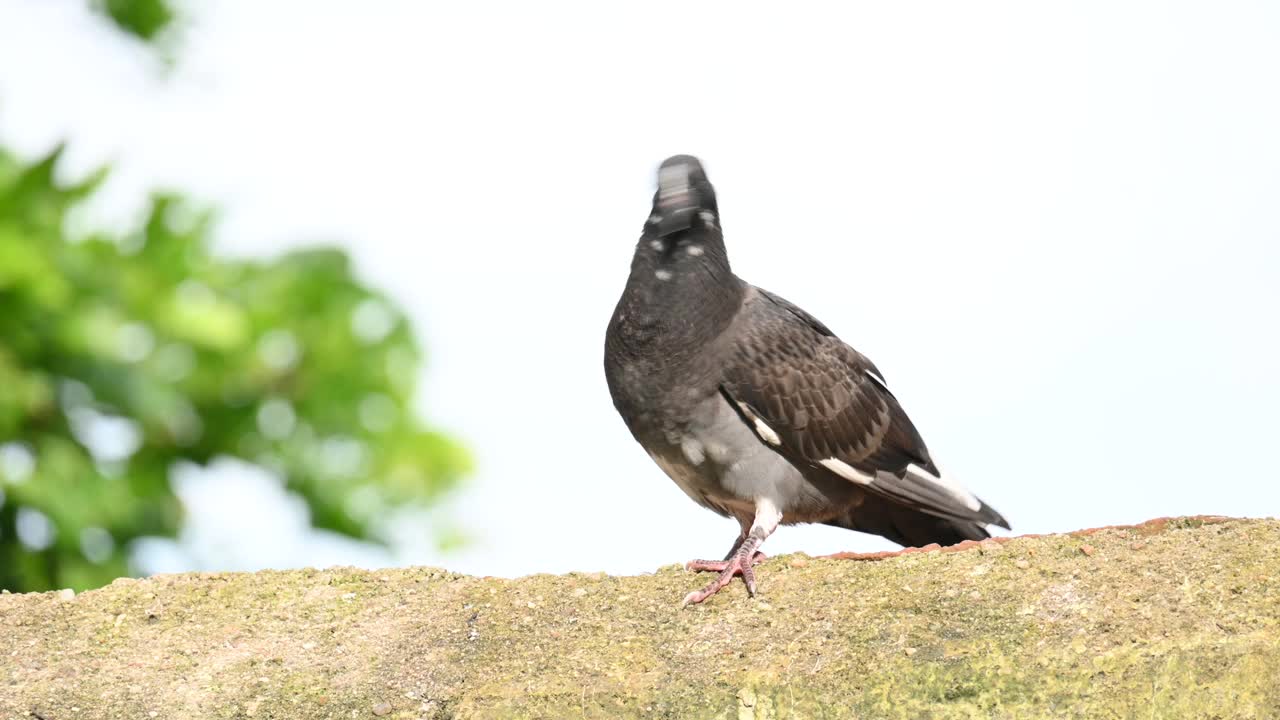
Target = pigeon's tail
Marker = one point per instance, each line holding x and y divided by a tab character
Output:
907	527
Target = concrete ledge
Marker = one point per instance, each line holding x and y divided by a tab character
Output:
1176	618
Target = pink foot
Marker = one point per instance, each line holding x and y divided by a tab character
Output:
720	565
735	565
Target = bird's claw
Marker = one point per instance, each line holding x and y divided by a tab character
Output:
728	569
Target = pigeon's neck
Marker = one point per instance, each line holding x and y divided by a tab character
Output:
680	296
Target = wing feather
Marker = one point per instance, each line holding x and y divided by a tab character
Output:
828	410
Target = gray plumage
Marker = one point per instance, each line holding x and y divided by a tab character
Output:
752	405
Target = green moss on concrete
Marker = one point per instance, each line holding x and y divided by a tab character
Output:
1176	619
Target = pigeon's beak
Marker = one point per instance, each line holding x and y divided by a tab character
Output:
674	221
677	202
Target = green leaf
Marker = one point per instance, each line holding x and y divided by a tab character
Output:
144	19
175	355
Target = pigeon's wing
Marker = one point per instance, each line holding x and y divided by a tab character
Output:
827	409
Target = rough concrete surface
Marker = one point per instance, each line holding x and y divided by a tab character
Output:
1176	618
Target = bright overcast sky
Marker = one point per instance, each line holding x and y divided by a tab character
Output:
1053	226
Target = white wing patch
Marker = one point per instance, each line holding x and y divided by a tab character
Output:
875	376
847	471
765	432
953	488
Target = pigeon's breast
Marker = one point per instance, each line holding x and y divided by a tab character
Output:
718	462
699	449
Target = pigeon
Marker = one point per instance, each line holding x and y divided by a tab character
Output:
755	408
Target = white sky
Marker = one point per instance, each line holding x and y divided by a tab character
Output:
1053	226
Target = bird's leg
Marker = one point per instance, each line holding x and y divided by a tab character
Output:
720	565
742	558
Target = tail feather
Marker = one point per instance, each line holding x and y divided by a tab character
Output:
905	526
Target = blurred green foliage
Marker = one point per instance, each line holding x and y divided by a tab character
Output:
122	355
142	18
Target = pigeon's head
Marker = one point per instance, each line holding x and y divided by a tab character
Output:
684	197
